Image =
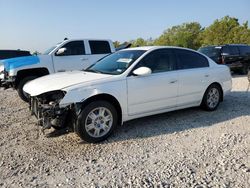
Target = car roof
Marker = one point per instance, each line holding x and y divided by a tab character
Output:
148	48
95	39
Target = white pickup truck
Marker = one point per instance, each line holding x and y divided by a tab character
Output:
65	56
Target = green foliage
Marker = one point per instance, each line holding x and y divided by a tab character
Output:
185	35
116	44
36	53
139	42
226	30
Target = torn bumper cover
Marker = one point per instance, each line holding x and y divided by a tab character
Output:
46	109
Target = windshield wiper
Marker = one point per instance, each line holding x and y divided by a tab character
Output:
92	70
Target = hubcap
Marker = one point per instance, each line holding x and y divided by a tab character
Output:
99	122
213	98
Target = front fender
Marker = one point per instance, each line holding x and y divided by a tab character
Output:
117	89
78	95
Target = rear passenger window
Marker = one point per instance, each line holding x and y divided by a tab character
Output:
225	49
99	47
234	50
74	48
244	50
189	60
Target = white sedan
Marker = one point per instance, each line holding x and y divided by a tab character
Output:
125	85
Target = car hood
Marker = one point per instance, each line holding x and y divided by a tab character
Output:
59	81
16	62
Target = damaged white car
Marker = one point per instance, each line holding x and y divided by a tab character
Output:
125	85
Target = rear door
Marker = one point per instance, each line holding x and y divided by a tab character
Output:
245	53
231	55
193	77
72	59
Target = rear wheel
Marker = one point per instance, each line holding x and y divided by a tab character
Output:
21	93
96	121
211	99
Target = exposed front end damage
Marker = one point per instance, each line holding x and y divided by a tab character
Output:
48	112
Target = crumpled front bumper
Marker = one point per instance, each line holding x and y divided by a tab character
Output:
48	115
1	78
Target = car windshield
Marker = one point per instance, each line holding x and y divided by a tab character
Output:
116	63
210	51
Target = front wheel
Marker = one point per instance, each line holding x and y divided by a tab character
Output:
211	98
96	121
21	93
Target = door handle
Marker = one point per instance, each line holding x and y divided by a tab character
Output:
207	75
172	82
84	59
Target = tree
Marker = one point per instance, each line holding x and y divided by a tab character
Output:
185	35
36	53
139	42
226	31
116	44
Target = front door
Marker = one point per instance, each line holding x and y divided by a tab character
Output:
74	57
156	91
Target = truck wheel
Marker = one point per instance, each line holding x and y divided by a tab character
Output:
96	121
21	93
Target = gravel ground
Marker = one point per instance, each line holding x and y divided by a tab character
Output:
187	148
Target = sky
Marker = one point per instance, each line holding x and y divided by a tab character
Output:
36	25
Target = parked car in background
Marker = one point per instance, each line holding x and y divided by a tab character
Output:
236	56
6	54
65	56
125	85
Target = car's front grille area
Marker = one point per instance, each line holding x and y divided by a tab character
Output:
35	107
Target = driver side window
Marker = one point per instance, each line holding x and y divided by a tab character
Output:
159	61
74	48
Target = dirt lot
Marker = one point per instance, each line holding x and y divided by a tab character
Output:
187	148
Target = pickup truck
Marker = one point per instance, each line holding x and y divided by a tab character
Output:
67	55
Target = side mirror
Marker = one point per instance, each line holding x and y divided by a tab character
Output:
225	54
142	71
61	51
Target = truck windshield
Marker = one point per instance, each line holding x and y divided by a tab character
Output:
116	63
49	50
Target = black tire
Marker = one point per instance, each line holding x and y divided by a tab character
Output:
206	104
20	91
82	118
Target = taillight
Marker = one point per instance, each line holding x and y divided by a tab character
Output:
222	60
